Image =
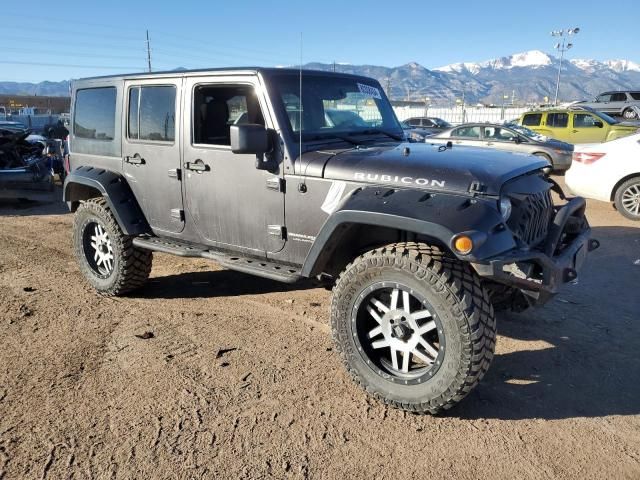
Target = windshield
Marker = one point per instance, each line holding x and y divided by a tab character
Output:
605	117
334	106
525	131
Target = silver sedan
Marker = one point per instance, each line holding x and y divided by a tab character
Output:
510	137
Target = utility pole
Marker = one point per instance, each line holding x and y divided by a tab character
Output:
334	66
562	47
148	52
388	87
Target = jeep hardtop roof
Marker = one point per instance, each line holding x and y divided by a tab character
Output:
267	71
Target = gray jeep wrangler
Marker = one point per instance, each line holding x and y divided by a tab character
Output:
286	175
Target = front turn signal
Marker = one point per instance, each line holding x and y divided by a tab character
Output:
463	244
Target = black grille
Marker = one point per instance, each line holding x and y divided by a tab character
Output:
531	216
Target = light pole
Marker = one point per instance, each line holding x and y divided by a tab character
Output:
562	47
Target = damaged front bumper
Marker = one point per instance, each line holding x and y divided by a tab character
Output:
32	182
540	273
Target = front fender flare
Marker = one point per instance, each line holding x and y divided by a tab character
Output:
438	216
84	182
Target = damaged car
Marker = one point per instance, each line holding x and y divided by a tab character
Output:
25	171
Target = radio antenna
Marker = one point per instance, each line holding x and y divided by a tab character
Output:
300	105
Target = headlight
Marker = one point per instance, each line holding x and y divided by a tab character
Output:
505	208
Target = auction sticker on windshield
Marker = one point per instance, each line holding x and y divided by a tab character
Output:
369	91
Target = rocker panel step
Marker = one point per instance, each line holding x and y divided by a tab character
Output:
253	266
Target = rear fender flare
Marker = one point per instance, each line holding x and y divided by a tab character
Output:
88	182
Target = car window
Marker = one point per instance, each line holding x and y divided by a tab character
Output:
414	122
532	119
619	97
428	123
466	132
152	113
557	120
217	107
94	115
605	97
635	95
498	134
584	120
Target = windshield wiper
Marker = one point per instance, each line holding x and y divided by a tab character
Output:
374	131
328	136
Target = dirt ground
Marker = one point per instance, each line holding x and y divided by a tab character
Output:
208	373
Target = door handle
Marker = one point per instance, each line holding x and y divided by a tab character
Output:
197	166
135	160
489	143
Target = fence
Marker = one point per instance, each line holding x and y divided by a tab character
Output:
462	114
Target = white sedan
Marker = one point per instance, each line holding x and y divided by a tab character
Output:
609	172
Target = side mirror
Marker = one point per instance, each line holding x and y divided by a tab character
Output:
598	124
249	138
517	139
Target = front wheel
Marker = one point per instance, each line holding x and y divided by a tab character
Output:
106	256
627	199
629	114
415	328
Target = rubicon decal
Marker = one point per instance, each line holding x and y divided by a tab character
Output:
375	177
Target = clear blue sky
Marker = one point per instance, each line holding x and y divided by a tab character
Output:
70	39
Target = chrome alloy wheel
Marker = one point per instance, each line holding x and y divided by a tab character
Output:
631	199
98	249
398	333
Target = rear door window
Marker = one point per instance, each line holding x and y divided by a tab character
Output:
152	113
619	97
557	120
532	119
466	132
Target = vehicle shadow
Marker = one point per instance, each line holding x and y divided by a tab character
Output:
578	355
24	207
214	283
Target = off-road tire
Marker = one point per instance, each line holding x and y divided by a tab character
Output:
461	303
618	198
131	265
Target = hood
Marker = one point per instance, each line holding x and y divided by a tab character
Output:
424	166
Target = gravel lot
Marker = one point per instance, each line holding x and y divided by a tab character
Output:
208	373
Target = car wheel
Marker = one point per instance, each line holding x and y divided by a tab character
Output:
414	327
627	199
106	256
629	114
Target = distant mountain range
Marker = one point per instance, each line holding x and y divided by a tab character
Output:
526	77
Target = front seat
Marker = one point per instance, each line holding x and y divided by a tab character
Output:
216	128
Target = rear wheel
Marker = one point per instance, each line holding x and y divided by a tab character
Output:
414	327
629	114
627	198
106	256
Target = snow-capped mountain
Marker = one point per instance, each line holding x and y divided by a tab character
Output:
527	76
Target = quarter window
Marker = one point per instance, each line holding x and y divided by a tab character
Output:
635	95
532	119
95	114
152	113
557	120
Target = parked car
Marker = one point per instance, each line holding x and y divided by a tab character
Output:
416	134
433	123
12	126
616	103
419	242
576	125
511	138
609	172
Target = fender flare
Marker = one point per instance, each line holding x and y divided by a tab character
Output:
439	216
85	181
